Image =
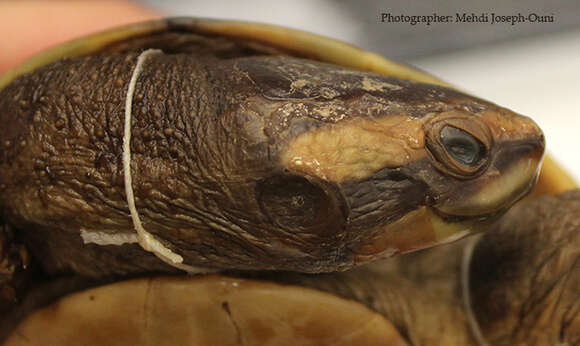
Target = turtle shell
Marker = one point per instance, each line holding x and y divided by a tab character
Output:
210	310
225	38
239	38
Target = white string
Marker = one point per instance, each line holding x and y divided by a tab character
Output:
466	297
146	239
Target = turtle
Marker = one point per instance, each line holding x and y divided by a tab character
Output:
281	168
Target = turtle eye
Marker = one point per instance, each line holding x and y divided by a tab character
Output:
458	146
461	146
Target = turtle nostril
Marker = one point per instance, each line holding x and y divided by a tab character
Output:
542	141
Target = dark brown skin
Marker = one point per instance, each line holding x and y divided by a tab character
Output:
209	181
525	282
533	297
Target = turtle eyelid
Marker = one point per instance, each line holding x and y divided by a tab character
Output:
459	145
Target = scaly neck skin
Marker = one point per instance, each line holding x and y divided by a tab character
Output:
66	121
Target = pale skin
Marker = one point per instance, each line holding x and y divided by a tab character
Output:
42	24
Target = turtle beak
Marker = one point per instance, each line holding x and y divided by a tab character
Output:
514	169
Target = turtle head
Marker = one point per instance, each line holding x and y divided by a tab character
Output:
384	166
476	166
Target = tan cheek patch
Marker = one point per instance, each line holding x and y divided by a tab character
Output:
356	149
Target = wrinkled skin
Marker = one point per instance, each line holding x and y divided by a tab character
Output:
251	163
524	286
524	282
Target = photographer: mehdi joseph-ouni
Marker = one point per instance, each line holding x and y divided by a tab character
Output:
484	17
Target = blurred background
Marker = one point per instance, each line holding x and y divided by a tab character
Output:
532	68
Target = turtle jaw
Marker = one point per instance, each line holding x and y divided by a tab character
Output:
511	175
457	208
418	229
